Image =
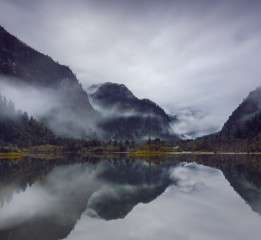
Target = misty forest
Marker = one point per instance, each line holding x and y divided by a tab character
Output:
130	120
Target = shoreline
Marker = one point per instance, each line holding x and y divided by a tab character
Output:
216	153
46	155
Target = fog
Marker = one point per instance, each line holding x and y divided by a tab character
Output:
181	54
57	109
251	105
49	106
117	111
190	123
36	101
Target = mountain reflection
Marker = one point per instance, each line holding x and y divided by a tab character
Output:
244	175
43	199
107	189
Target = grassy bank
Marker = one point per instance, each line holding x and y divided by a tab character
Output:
145	150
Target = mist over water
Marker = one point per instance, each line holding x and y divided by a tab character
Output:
129	199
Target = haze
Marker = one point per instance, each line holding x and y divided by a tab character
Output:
198	59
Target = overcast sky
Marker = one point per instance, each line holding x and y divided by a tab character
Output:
198	57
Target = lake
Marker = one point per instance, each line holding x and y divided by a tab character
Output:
121	197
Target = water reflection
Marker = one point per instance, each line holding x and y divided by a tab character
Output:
130	199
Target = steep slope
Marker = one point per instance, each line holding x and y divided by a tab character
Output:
71	114
245	121
241	132
127	116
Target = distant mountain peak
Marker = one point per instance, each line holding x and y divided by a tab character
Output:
110	91
127	115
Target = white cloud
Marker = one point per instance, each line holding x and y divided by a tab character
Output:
179	54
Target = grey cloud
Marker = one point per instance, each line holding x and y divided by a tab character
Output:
199	54
191	123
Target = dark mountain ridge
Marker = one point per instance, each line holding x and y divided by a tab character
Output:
240	133
121	116
128	116
245	121
119	98
23	62
72	115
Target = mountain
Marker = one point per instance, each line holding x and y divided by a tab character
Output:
241	132
245	121
70	112
127	116
67	110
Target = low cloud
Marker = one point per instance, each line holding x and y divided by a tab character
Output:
36	101
180	54
48	105
190	123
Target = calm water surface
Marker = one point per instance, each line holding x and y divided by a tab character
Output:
189	197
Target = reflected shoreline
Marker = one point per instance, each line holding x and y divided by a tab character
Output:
46	155
106	187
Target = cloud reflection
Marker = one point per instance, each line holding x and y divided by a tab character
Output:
141	200
213	213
